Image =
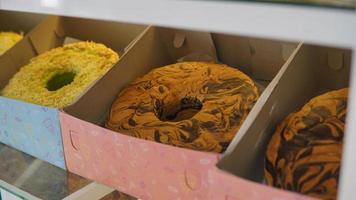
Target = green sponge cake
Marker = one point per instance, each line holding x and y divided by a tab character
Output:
58	77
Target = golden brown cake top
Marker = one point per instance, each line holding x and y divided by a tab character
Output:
305	151
195	105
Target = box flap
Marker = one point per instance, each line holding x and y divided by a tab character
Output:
335	59
13	59
266	59
19	21
198	57
155	48
146	54
5	74
234	51
38	40
305	75
117	36
261	59
181	42
288	49
335	63
245	155
52	32
47	35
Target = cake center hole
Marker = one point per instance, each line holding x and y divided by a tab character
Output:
185	109
60	80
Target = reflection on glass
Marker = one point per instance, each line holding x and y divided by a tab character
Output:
37	177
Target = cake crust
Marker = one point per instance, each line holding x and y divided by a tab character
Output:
305	151
159	105
82	62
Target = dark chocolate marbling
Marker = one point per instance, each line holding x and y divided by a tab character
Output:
304	153
195	105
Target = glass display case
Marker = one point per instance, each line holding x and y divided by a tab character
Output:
285	45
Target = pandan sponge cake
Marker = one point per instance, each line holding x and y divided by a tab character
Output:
59	76
7	40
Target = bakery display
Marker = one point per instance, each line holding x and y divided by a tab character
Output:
59	76
7	40
195	105
304	153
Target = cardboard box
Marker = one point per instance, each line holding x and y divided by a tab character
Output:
35	129
151	170
308	75
19	22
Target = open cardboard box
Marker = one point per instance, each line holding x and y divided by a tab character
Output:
151	170
19	22
308	75
35	129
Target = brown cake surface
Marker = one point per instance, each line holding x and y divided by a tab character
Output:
305	151
195	105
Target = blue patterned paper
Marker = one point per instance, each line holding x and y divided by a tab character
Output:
32	129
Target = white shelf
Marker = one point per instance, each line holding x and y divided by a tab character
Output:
312	24
335	27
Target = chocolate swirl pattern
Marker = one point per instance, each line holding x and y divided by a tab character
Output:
194	105
305	151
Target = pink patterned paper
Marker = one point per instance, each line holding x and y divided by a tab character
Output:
150	170
144	169
228	187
